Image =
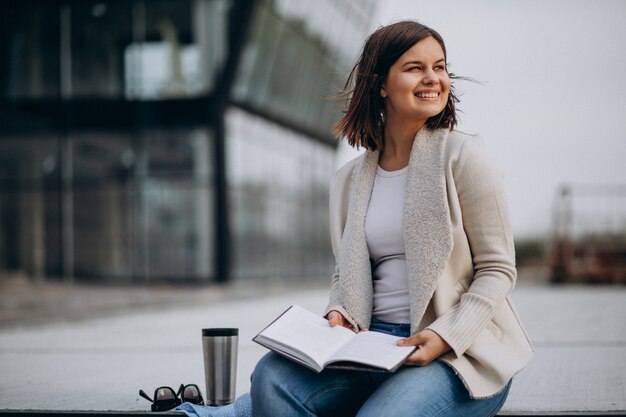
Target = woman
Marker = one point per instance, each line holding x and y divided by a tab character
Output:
422	240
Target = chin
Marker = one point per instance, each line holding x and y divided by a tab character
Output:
427	115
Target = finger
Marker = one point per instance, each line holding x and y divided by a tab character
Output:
345	323
338	322
336	319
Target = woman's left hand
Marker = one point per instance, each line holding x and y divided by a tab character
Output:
429	347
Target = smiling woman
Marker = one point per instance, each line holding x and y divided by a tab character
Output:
423	249
422	241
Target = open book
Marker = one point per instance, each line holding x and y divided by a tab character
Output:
308	339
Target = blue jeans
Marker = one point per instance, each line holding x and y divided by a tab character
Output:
281	387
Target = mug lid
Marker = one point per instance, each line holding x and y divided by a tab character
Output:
220	332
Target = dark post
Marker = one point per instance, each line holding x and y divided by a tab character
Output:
239	22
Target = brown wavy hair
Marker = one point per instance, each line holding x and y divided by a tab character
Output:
363	120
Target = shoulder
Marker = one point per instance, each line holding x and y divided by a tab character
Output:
469	159
344	174
464	149
460	143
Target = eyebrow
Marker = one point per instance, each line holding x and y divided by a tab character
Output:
420	62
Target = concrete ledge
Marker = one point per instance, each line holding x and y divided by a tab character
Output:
59	413
56	413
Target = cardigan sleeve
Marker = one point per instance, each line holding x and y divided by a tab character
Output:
487	226
338	212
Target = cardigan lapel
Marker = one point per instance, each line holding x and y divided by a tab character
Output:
427	224
427	229
354	264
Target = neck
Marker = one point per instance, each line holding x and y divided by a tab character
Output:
398	143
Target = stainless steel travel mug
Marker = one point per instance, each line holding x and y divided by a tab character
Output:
219	347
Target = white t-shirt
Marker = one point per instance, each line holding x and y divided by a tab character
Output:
384	230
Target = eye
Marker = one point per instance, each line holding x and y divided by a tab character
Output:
415	68
440	67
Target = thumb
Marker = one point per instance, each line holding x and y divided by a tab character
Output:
415	340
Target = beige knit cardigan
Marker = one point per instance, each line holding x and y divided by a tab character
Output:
459	253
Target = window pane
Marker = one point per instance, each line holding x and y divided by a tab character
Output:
29	205
298	54
102	204
258	58
178	46
142	206
176	205
100	30
29	49
278	199
145	50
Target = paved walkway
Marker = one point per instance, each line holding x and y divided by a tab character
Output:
100	363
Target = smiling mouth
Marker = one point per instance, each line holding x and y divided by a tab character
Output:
427	95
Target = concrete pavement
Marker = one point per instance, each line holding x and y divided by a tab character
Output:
100	363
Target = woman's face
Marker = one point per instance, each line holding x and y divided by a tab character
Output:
417	85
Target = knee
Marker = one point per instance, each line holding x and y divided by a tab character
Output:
266	368
279	387
269	375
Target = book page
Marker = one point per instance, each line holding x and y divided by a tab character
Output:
374	348
307	332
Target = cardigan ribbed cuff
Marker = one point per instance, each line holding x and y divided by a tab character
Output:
460	325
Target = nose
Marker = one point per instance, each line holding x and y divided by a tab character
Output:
430	77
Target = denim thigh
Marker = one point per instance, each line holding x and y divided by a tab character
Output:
281	387
433	390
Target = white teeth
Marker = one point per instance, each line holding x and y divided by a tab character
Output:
427	95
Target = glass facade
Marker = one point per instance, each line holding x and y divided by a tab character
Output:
92	186
115	157
278	183
141	205
107	204
135	49
299	53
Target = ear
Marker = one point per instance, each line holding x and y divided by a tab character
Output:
383	92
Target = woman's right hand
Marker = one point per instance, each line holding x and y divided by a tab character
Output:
335	318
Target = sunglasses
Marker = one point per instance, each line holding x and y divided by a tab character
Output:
165	398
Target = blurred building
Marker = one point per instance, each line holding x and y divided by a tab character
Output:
588	243
170	139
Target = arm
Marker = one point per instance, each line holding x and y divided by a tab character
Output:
487	226
338	213
335	312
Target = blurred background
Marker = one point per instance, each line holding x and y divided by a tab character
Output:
164	167
170	140
153	143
